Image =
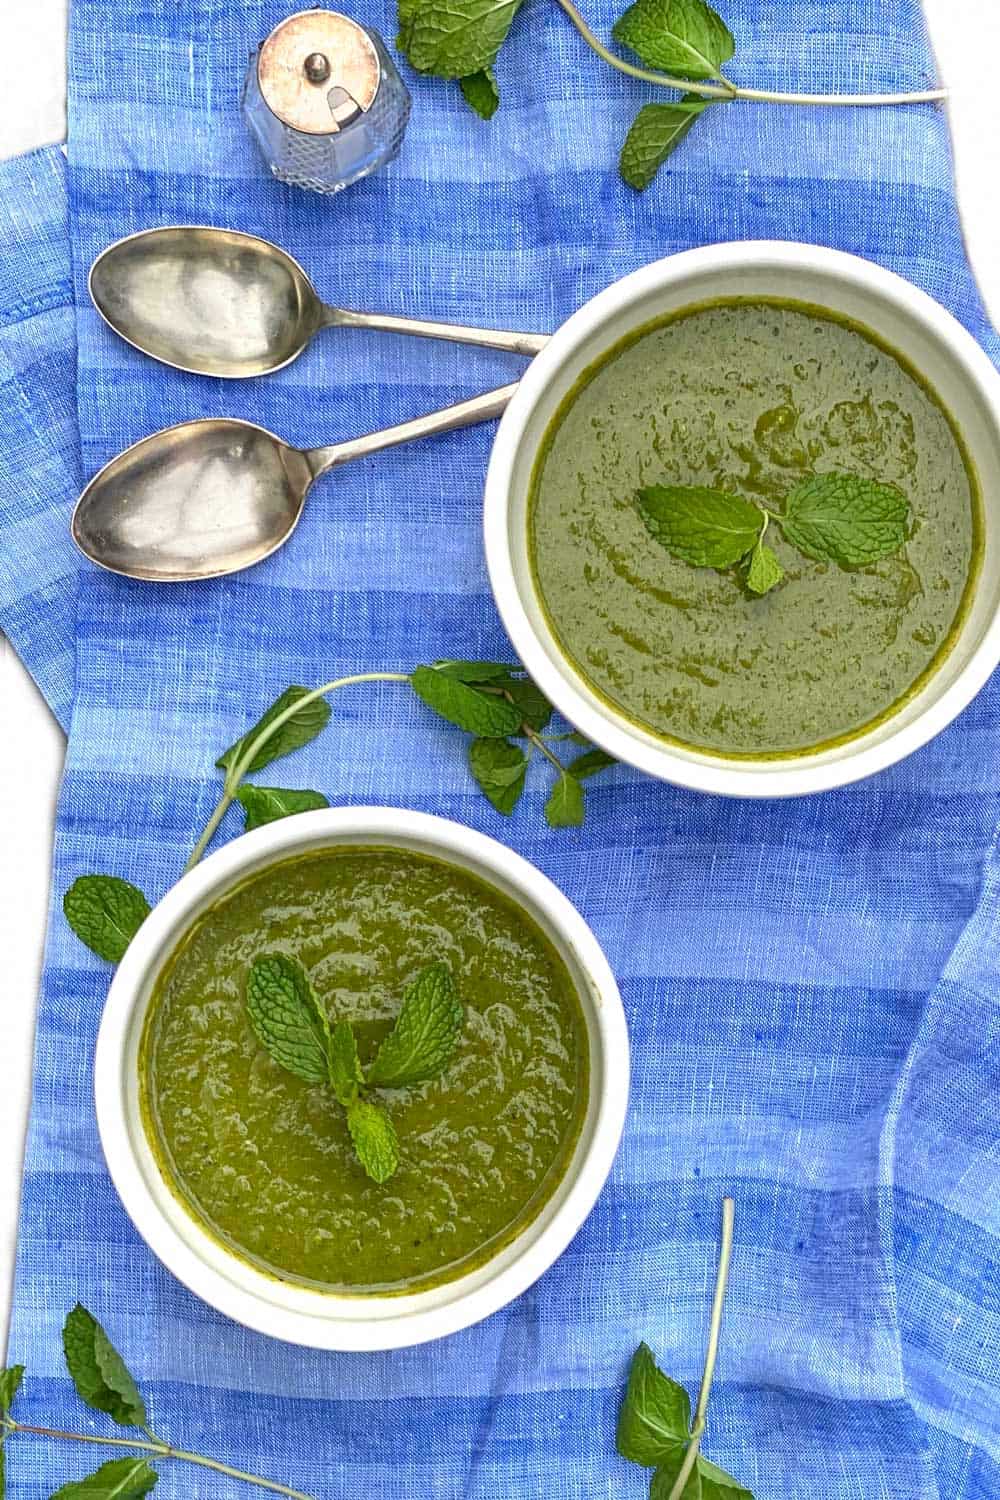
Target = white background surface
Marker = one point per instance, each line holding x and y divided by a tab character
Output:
32	113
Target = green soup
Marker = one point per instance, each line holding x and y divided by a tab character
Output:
265	1160
750	396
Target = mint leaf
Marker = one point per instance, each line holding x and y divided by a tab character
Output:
99	1373
10	1384
476	671
105	913
421	1044
300	729
454	38
287	1017
565	807
120	1479
655	1416
844	519
716	1484
374	1139
705	527
684	37
481	92
763	569
460	704
345	1065
499	767
662	1482
532	705
654	134
589	763
266	804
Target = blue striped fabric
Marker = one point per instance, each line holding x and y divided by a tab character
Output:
811	986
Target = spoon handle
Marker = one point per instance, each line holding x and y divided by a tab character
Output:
456	333
463	414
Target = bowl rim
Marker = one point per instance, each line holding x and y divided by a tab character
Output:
351	1329
690	768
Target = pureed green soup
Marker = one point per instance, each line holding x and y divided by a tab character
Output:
750	397
265	1160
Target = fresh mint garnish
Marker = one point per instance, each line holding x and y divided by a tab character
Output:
294	732
374	1139
118	1479
706	528
655	134
655	1417
422	1042
99	1373
266	804
565	807
464	705
764	570
346	1076
684	37
590	763
105	913
684	42
489	699
104	1383
481	93
532	704
476	671
289	1020
454	38
655	1426
845	519
293	1027
837	518
500	769
10	1384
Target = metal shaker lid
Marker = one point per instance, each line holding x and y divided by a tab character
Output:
318	71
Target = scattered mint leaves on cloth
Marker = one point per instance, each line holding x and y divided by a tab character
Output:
493	700
104	1382
292	1025
655	1425
105	913
835	518
684	37
655	134
682	45
481	92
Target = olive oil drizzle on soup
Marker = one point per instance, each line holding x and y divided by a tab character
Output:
750	396
264	1159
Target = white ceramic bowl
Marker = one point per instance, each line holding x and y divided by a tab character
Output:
299	1314
908	321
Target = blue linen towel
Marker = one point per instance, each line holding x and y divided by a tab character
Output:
811	986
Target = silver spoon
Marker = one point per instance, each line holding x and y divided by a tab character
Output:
213	496
218	302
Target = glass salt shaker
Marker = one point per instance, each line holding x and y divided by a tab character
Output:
324	101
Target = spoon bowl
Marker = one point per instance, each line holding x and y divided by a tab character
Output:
193	501
209	300
214	496
219	302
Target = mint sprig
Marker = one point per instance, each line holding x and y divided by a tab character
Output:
292	1025
682	44
493	700
104	1382
838	518
655	1426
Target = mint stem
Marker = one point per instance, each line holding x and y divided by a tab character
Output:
711	1353
727	91
160	1450
239	768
